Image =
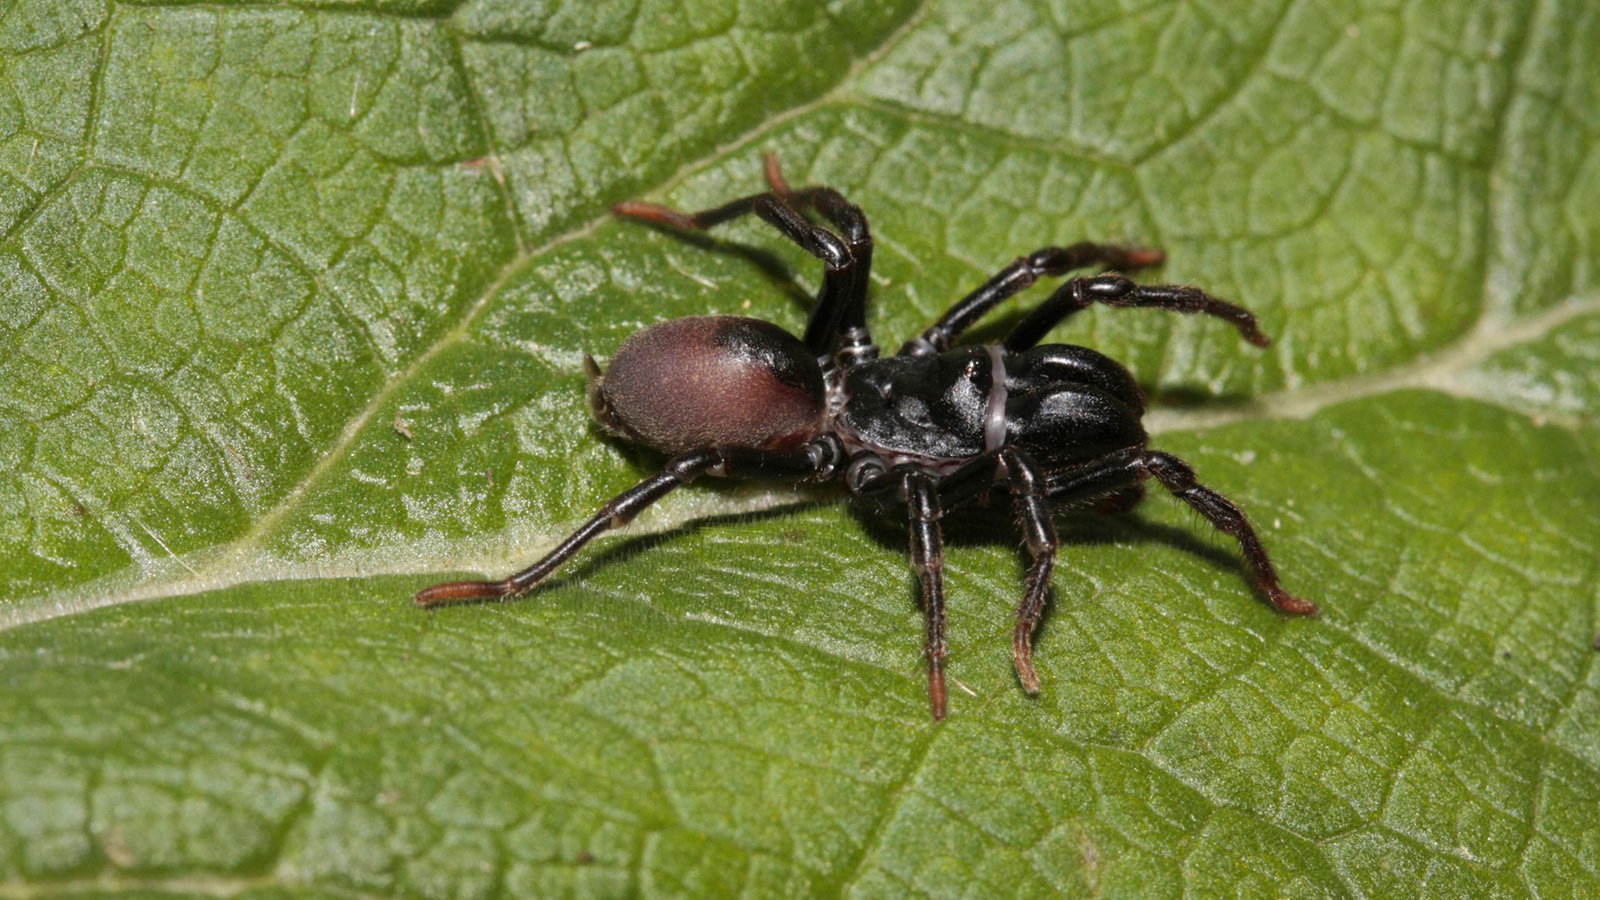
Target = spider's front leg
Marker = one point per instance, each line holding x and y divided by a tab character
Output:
1016	277
1124	469
1039	535
1176	476
816	460
1112	289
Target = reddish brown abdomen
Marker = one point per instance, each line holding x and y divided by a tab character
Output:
707	380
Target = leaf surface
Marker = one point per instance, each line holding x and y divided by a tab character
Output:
295	304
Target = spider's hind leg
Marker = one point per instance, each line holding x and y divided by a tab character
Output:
814	461
838	321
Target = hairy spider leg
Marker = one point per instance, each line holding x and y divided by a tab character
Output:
1176	476
1017	277
838	321
1112	289
848	319
927	561
1039	534
1030	506
920	492
815	460
1123	469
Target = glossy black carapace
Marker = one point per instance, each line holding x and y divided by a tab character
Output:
931	429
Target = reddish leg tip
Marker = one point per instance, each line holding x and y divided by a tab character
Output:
774	175
1139	257
654	213
936	692
1022	660
1294	605
1028	677
458	592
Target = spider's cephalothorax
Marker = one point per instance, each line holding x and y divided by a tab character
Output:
935	427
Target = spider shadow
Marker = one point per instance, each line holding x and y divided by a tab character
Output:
625	547
962	526
975	526
767	262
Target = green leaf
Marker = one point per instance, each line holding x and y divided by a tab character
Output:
294	300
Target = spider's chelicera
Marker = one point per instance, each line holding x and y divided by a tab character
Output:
932	428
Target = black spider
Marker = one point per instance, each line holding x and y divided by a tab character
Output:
929	428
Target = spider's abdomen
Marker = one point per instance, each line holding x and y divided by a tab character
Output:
710	380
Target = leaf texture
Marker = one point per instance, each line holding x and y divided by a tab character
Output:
294	300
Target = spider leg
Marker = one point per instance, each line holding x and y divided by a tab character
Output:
1116	472
1031	506
838	321
927	560
843	317
815	460
1176	476
1115	290
1032	510
1018	276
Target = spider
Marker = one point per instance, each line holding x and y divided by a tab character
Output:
932	428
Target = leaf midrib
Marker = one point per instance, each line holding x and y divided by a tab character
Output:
235	562
219	567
